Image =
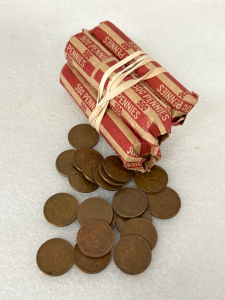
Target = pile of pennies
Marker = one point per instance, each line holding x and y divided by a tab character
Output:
132	210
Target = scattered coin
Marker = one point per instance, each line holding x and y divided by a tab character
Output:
165	204
120	222
146	215
95	238
129	202
113	222
140	227
90	265
64	162
81	154
61	209
132	255
106	178
94	208
153	181
102	183
83	135
55	257
88	166
80	183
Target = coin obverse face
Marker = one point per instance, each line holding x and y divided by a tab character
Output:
83	135
64	162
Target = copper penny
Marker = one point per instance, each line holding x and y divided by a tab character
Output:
94	208
165	204
80	183
106	178
114	168
88	166
121	221
81	154
90	265
146	215
64	162
153	181
61	209
102	183
83	135
140	227
129	202
113	222
55	257
132	255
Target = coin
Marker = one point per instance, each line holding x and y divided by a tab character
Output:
114	168
83	135
61	209
113	222
153	181
95	238
165	204
106	178
102	183
140	227
129	202
88	166
81	154
132	255
91	265
94	208
64	162
80	183
146	215
55	257
120	222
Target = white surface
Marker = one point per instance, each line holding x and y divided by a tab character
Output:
187	38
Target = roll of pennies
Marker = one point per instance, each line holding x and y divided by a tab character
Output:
83	135
80	183
64	162
89	165
81	154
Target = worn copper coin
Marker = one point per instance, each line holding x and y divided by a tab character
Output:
55	257
132	255
88	166
113	222
129	202
165	204
106	178
94	208
61	209
146	215
95	238
80	183
90	265
103	184
121	221
83	135
153	181
114	168
64	162
140	227
81	154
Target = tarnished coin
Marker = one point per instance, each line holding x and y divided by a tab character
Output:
165	204
146	215
55	257
113	222
90	265
153	181
61	209
64	162
106	178
83	135
132	255
88	166
129	202
113	167
94	208
121	221
80	183
140	227
102	183
95	238
81	154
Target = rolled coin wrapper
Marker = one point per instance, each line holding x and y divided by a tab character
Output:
135	153
165	86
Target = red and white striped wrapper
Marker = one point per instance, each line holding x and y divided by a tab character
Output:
137	106
135	153
164	85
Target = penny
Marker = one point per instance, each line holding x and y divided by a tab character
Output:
113	222
64	162
88	166
95	238
146	215
102	183
106	178
153	181
55	257
165	204
61	209
81	154
90	265
121	221
132	255
129	202
94	208
80	183
83	135
114	168
140	227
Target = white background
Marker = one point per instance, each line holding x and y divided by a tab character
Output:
188	39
